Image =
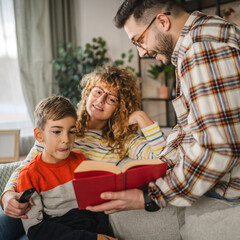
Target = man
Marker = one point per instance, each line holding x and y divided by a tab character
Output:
203	151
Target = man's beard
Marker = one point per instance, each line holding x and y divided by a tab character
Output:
164	46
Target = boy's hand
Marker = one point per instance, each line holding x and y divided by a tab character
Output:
105	237
12	207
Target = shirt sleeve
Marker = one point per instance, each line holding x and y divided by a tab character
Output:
148	146
27	180
206	143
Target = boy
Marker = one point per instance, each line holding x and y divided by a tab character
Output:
55	214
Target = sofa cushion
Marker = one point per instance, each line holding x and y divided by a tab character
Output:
140	224
6	170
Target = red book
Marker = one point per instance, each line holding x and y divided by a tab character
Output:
94	177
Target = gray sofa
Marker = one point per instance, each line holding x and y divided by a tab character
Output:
166	224
128	225
6	170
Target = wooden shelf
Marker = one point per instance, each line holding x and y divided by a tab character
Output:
202	4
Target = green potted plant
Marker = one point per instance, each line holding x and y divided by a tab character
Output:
161	73
74	62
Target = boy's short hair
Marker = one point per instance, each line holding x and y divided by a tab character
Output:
53	108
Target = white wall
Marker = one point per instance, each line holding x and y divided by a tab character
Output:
95	19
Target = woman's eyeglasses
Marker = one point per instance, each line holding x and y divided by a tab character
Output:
138	42
109	98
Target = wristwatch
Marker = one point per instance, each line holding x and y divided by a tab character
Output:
150	205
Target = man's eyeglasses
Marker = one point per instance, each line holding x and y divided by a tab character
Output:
138	42
110	98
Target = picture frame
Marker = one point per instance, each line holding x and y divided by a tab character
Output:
9	145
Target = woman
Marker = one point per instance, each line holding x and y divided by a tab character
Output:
107	119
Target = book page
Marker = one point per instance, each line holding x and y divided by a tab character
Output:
140	163
90	165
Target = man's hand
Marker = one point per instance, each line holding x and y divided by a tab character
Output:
120	201
12	207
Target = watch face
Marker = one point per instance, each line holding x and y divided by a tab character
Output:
151	207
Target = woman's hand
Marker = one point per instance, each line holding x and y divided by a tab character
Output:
139	118
12	207
105	237
120	201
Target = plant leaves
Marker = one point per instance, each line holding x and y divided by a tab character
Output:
74	62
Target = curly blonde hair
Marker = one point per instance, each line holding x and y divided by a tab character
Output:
116	131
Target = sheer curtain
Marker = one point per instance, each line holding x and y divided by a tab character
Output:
39	26
34	50
13	111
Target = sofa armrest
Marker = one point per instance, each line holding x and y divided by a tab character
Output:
6	170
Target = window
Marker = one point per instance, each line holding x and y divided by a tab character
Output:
13	110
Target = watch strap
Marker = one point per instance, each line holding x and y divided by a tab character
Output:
150	205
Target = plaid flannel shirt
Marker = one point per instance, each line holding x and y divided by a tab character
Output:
203	151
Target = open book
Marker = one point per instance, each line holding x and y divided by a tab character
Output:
91	178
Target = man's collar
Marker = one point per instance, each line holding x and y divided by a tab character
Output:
191	21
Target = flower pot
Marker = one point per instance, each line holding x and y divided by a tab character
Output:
162	92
